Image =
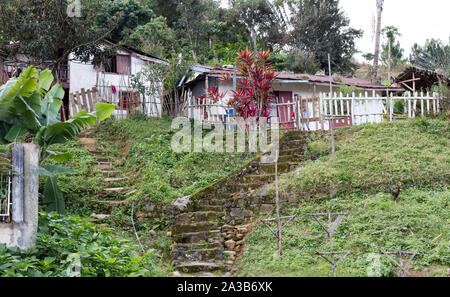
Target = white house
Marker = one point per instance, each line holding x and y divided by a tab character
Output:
112	81
288	87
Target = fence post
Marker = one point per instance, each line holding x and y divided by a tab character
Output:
17	183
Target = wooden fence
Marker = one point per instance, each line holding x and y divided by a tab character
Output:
127	102
316	113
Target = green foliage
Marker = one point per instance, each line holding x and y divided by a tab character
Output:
373	157
434	56
391	33
349	90
317	149
321	28
154	37
399	107
417	221
300	61
29	106
61	239
44	32
155	170
129	13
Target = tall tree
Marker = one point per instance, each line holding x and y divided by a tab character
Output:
129	13
376	54
392	52
261	21
320	27
196	24
43	31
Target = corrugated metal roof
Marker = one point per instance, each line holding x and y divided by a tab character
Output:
301	77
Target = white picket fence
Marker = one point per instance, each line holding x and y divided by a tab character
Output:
365	108
316	113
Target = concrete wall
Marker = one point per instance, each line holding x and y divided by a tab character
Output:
22	234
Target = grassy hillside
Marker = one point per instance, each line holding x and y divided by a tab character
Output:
156	172
369	159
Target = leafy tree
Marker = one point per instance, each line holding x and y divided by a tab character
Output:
129	14
434	56
260	21
155	37
301	61
43	31
29	106
393	45
196	25
320	27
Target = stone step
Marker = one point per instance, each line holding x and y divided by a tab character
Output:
93	146
103	166
283	167
182	254
202	236
291	158
196	266
259	178
117	190
88	141
209	202
111	203
194	227
110	173
198	216
291	151
198	245
245	187
215	208
114	179
101	153
103	160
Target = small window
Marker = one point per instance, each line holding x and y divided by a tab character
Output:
111	64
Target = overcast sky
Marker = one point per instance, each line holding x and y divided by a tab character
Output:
416	20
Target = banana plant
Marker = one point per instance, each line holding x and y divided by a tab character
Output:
29	106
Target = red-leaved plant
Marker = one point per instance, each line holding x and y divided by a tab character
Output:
254	91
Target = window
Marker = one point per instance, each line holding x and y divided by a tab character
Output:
120	64
111	64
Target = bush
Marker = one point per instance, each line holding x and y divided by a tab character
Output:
317	149
62	240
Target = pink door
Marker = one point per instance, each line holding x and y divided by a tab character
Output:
285	112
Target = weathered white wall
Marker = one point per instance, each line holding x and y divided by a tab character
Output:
22	234
84	75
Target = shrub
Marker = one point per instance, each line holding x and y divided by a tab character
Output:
61	239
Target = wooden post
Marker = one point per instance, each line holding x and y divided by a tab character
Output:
277	204
83	99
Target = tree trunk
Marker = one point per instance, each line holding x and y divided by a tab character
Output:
377	41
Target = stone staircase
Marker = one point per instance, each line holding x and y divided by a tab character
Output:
209	230
115	188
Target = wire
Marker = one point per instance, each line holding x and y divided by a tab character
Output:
132	222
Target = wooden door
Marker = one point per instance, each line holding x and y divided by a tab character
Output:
285	111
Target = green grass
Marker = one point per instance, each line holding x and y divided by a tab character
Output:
374	157
369	159
156	172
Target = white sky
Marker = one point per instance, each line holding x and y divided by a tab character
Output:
416	20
